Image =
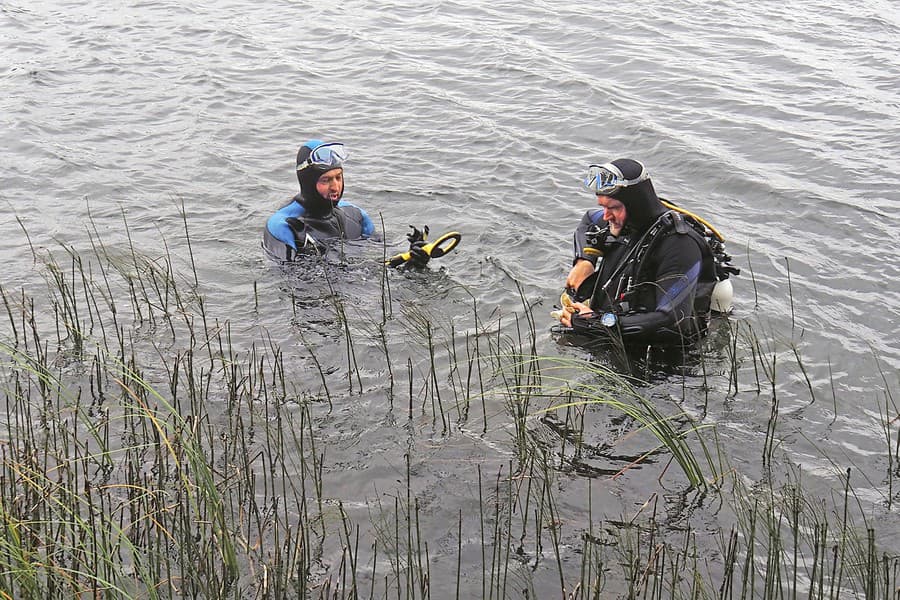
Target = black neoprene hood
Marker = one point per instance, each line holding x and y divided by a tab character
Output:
642	205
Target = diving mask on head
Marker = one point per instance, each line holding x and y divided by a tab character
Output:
607	179
325	156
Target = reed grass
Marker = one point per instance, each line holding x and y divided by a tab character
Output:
146	454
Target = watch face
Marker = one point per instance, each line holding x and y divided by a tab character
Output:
608	319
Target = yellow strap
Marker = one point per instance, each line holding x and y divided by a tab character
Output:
706	224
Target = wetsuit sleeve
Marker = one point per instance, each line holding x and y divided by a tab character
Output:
590	219
368	227
279	227
678	261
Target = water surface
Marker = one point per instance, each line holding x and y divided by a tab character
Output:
777	122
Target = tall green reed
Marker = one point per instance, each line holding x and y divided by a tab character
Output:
146	454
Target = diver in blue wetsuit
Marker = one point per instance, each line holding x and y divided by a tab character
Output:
642	269
318	215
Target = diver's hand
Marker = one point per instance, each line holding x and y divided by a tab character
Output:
569	311
418	256
581	270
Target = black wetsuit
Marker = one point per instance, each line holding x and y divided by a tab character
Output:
656	277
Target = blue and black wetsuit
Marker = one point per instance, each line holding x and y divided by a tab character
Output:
310	220
292	228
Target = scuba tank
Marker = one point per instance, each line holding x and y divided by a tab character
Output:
722	299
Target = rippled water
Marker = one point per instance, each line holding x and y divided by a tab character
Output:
776	121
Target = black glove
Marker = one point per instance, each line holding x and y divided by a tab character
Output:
417	235
418	256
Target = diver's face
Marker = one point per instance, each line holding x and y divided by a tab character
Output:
330	184
614	213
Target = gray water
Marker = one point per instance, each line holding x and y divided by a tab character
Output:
776	121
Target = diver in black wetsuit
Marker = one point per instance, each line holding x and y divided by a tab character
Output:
655	273
317	214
